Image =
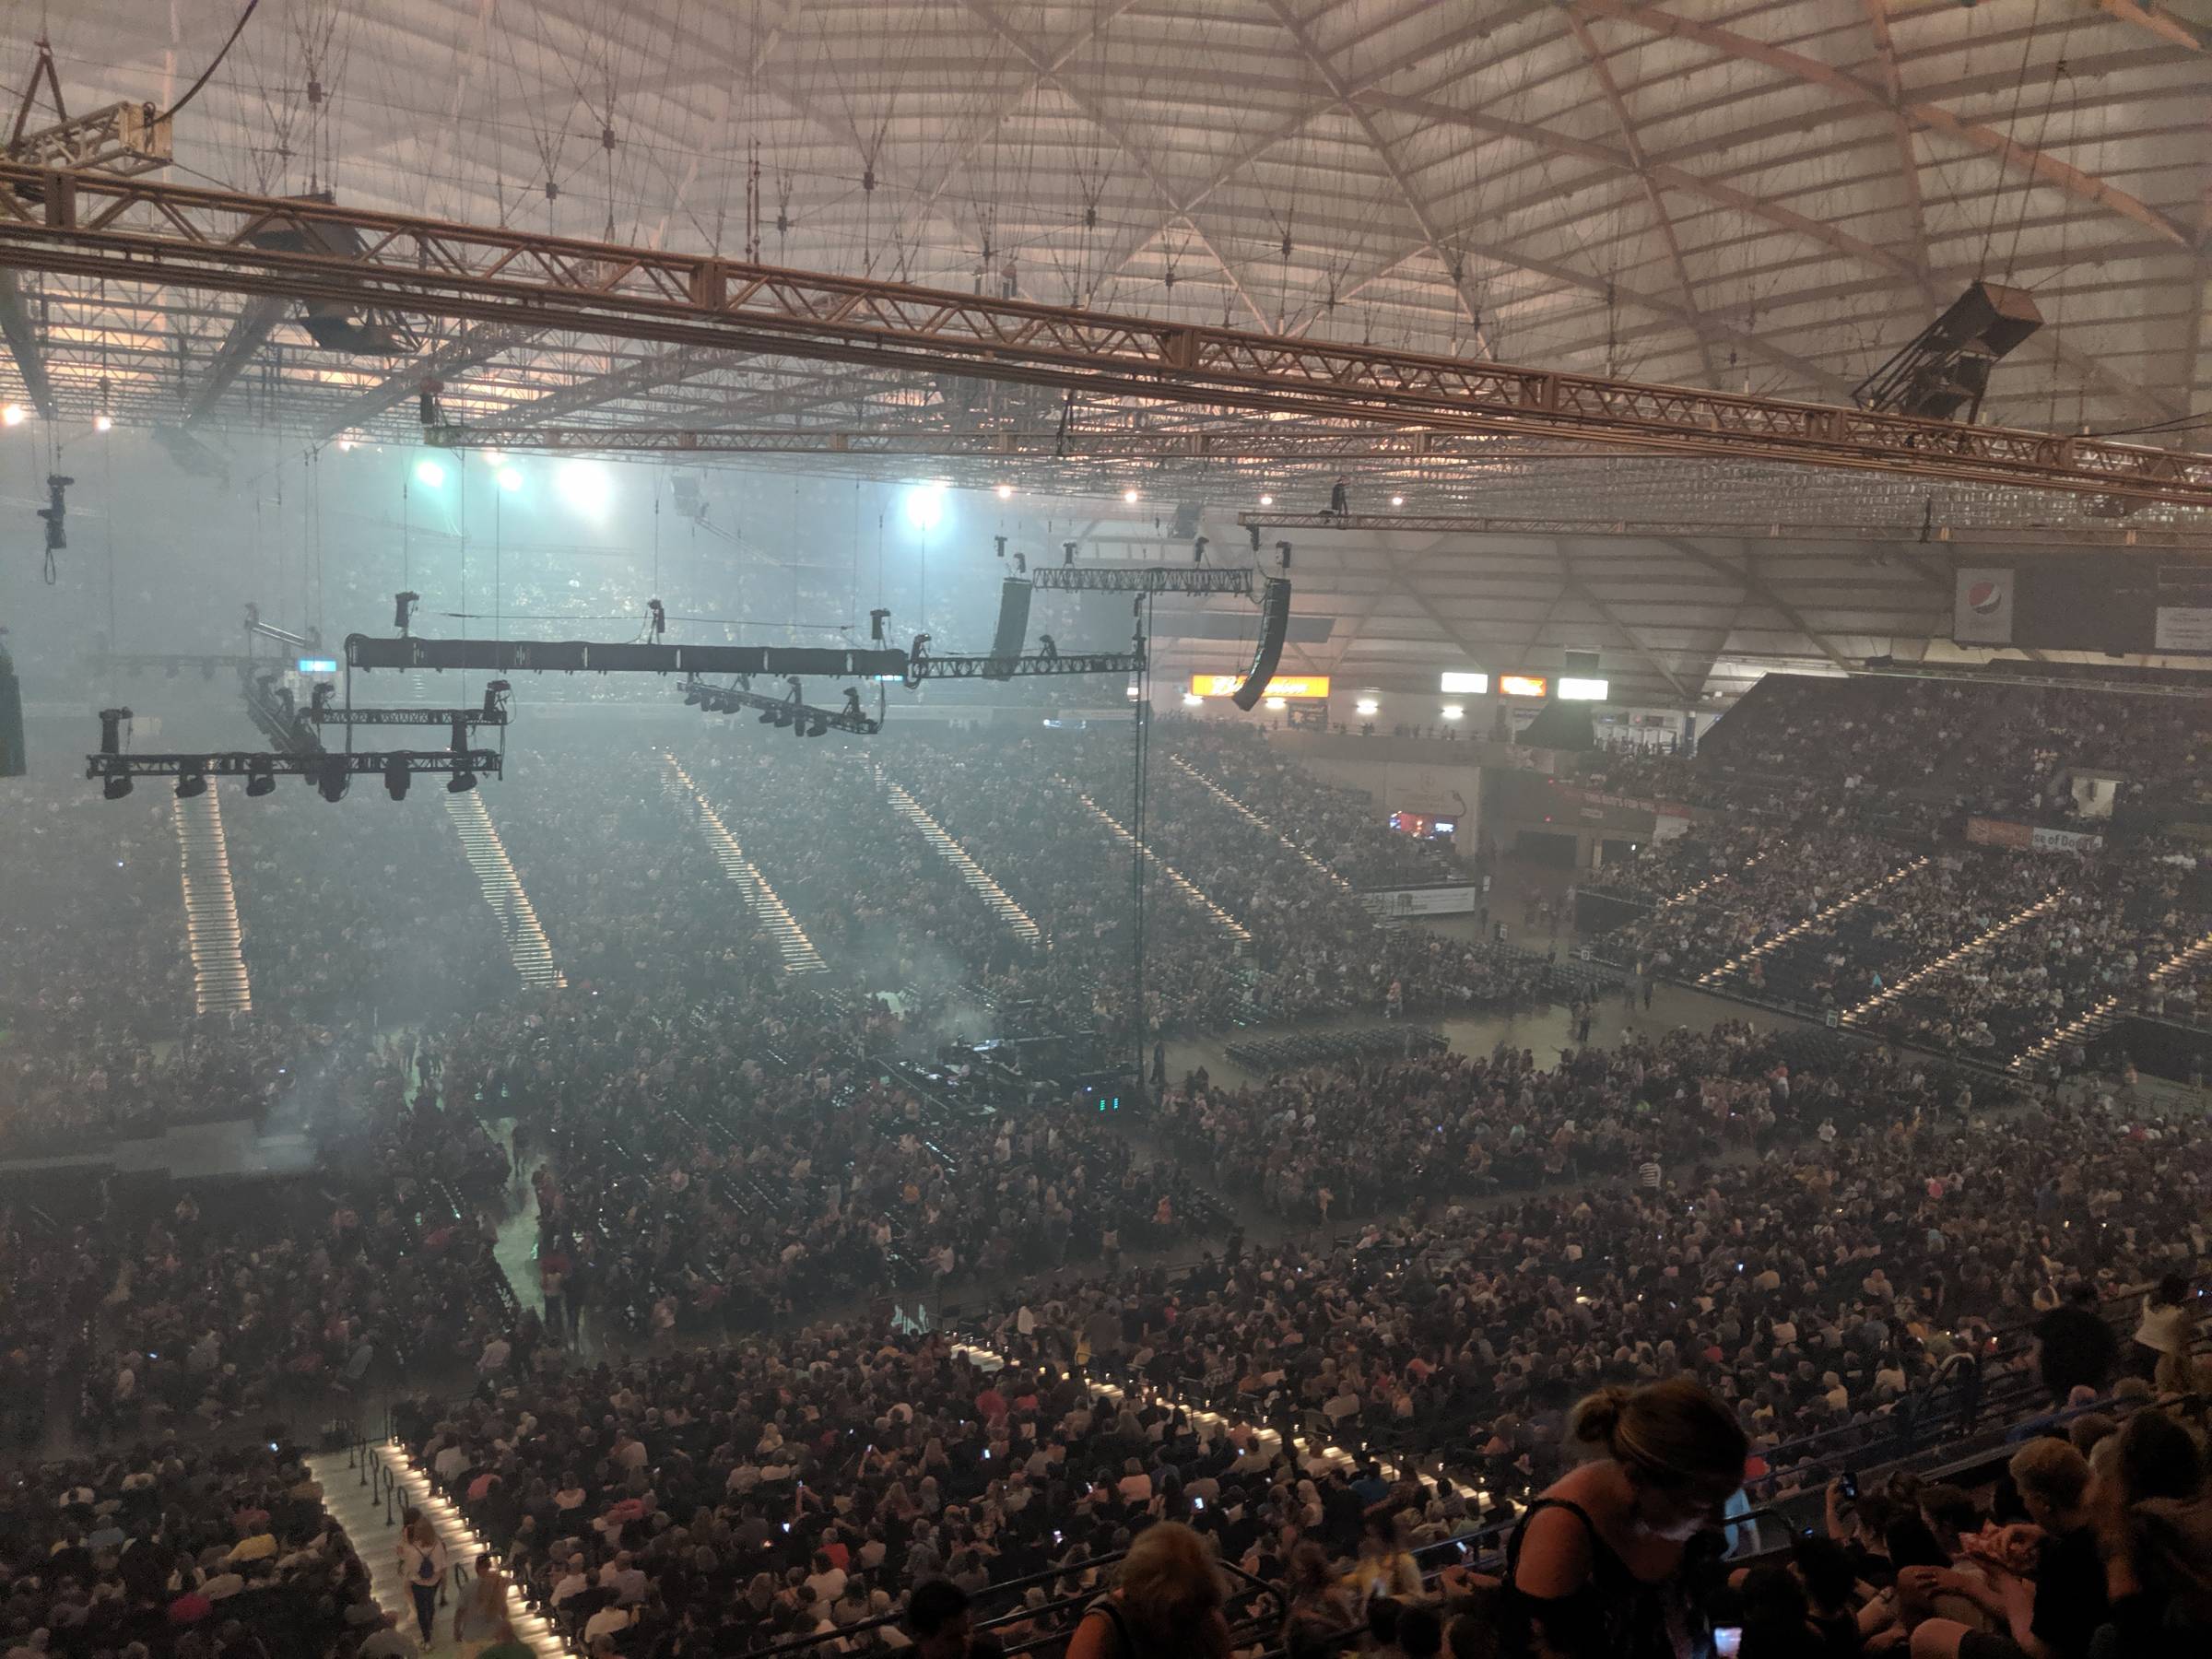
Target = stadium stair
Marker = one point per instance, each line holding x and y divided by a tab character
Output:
528	945
219	982
2102	1014
1182	884
360	1507
952	853
1848	902
797	950
1239	808
1889	994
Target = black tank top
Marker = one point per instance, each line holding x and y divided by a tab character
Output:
1615	1616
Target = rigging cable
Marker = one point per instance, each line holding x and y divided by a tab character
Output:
192	91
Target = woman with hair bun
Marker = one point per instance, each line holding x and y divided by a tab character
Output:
1597	1564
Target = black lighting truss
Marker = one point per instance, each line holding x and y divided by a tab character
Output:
583	656
323	714
1144	578
788	711
999	667
239	763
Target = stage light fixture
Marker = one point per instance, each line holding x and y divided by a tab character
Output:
260	781
585	486
1397	500
925	506
1454	711
461	783
1130	496
430	474
116	788
191	785
103	423
12	414
1266	500
1367	705
395	777
768	717
1006	492
332	778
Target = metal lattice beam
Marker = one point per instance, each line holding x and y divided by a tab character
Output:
149	233
22	336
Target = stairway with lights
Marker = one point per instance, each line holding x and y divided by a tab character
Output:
792	943
1866	1012
219	982
1241	811
1237	932
941	842
528	945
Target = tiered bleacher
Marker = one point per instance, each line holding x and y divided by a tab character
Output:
804	1321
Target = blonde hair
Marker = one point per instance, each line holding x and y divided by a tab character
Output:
1674	1431
2052	1470
1168	1582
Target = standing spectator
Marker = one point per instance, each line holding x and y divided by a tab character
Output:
1597	1565
1165	1604
2164	1336
422	1564
2074	1346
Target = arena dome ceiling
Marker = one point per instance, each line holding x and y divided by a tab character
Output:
1764	196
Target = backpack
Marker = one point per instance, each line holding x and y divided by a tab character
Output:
426	1568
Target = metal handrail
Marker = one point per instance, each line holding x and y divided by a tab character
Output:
799	1644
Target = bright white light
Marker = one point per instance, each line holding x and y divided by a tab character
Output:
925	506
1466	685
1191	699
1277	704
1397	500
1266	500
493	457
346	444
1452	711
1367	705
585	487
12	414
1583	690
1134	694
1129	496
428	474
103	423
1006	492
509	477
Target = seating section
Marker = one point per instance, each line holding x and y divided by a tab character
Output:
362	909
91	915
179	1551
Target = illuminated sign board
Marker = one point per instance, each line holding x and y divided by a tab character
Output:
1523	684
1225	685
1583	690
318	665
1471	685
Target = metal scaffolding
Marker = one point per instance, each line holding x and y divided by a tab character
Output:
148	232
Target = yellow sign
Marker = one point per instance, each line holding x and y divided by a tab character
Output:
1225	685
1523	684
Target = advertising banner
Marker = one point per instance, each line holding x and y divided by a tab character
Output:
2026	838
2184	629
1982	605
1454	899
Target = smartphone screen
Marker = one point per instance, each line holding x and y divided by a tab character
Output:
1727	1642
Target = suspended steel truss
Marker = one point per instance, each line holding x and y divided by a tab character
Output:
149	233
